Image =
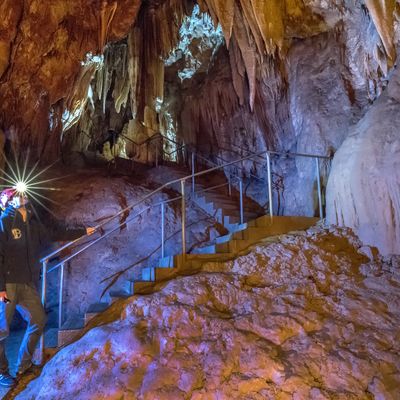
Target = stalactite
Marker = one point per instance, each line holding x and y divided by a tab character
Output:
253	30
238	72
75	102
120	76
269	16
248	51
106	82
134	67
225	12
107	12
382	12
248	14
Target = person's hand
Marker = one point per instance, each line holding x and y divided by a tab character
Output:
3	297
9	211
90	231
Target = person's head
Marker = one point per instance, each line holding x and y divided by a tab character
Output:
13	198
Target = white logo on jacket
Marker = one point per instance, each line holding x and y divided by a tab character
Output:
17	234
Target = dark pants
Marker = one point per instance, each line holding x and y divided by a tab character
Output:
25	298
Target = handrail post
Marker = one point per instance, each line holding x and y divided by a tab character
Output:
162	230
241	201
229	185
271	208
321	211
193	172
183	217
113	148
60	297
43	298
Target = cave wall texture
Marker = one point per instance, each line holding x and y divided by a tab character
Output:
41	49
293	75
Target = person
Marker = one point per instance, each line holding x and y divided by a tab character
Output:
22	238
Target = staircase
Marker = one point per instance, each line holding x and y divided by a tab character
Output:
216	202
212	195
225	248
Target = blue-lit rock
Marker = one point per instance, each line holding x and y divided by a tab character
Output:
88	198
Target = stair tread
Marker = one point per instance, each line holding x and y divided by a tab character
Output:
51	338
141	281
97	308
72	324
120	293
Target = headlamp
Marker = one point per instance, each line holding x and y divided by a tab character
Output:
21	187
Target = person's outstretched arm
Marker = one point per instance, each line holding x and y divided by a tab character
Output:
60	233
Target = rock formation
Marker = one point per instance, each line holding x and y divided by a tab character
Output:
41	50
364	186
88	198
308	316
291	76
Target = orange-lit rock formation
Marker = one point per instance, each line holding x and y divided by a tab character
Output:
41	49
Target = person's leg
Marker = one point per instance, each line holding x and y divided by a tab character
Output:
31	309
6	314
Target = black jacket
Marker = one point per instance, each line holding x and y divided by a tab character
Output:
22	244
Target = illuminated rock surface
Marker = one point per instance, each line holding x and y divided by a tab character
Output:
88	198
292	75
307	317
364	186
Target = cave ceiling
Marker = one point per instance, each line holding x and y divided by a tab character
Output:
47	51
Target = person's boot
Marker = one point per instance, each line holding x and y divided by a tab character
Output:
6	380
22	369
27	369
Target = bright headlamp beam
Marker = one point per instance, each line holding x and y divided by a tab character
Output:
21	187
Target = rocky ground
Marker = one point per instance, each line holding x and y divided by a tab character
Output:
312	315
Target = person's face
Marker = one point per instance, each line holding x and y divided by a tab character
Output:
19	201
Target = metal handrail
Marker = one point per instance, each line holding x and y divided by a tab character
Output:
170	183
128	208
61	264
54	267
242	168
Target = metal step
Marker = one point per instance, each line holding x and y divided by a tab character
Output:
148	274
205	250
166	262
95	309
224	239
119	294
69	331
51	338
142	287
163	274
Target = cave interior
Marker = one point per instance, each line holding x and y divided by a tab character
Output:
189	134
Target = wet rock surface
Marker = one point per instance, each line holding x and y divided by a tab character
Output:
307	316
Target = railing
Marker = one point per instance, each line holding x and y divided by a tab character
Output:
264	155
157	137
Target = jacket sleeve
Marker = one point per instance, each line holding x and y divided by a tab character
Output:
2	255
58	232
